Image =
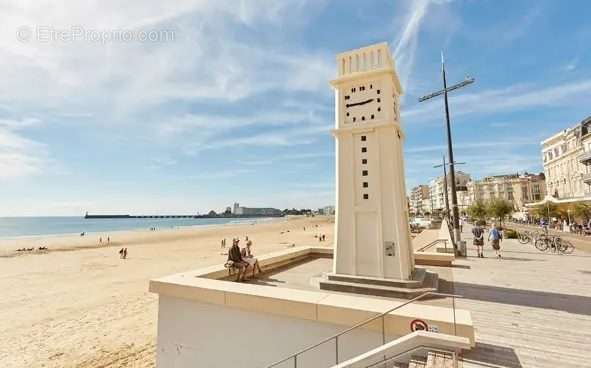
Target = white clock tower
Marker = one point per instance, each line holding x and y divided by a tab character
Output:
372	231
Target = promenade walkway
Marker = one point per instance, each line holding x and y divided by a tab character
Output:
530	309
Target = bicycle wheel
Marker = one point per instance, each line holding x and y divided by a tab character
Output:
541	244
523	238
566	247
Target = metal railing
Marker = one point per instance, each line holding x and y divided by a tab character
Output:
383	315
382	363
434	242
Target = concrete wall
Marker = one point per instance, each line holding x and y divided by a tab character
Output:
194	334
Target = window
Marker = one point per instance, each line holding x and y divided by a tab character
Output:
378	91
379	100
363	138
347	97
354	118
362	88
352	90
372	116
379	109
366	196
365	184
363	118
364	161
364	173
363	149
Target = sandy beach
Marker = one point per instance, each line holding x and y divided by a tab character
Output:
80	305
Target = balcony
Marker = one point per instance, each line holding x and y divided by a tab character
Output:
587	178
585	157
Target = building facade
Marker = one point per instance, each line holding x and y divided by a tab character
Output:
515	188
437	191
567	156
420	200
250	211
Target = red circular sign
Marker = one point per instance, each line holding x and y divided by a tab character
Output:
418	325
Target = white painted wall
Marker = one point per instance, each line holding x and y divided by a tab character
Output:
194	334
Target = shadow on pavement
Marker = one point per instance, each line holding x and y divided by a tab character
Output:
488	355
538	299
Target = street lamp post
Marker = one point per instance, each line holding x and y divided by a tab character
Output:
452	173
444	164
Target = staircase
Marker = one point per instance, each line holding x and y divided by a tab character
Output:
422	282
433	360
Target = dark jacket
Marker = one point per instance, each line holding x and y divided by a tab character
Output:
234	254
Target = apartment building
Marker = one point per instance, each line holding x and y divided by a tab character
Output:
567	160
437	191
520	189
420	200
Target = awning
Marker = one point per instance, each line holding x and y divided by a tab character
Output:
558	201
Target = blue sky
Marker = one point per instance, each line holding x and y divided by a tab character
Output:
236	106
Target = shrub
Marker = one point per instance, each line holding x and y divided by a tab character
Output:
510	234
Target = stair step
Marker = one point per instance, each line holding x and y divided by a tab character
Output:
439	360
416	282
369	289
417	362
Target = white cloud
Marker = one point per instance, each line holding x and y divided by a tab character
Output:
206	60
407	43
515	97
20	156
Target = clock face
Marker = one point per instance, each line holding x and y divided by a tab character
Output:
363	102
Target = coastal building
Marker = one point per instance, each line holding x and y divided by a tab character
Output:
327	210
251	211
372	232
567	156
420	200
437	191
519	189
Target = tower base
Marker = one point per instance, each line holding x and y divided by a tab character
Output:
422	281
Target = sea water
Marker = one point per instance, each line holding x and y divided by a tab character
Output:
12	227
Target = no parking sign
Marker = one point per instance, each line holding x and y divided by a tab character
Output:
418	325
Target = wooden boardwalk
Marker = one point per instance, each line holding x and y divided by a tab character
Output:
530	309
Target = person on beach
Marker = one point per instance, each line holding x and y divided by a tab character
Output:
121	253
223	245
235	256
478	233
124	253
247	256
495	236
108	239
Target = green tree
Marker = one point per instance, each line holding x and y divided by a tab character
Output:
499	208
547	210
582	210
477	210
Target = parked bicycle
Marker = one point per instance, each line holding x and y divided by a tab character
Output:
554	243
526	237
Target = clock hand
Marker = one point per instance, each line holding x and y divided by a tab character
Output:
360	103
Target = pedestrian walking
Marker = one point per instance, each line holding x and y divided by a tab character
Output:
478	233
495	237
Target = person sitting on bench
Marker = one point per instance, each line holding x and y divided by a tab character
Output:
248	257
235	256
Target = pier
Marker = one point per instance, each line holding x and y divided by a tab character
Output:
107	216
